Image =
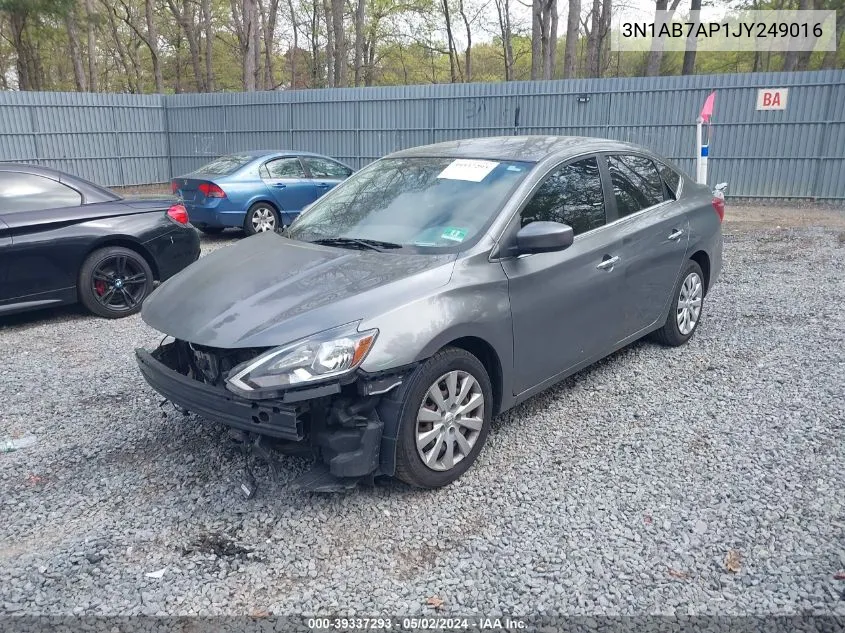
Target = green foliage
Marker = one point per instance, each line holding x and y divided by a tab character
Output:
404	42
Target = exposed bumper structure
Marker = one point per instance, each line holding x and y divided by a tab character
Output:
219	405
339	424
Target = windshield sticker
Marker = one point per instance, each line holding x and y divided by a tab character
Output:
471	170
456	235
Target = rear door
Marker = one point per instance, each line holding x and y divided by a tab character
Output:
654	234
288	183
326	174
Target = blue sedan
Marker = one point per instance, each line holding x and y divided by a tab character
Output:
257	191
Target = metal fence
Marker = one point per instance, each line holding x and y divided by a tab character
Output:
798	152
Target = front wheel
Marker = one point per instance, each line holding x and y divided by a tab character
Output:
445	414
114	281
261	218
687	305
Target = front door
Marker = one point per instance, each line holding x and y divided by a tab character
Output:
325	173
288	184
564	304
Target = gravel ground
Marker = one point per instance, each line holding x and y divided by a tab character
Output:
628	489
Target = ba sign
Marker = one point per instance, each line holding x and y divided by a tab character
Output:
772	98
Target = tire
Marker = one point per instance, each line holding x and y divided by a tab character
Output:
690	284
413	395
114	281
262	217
211	230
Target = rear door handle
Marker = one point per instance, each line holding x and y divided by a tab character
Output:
323	185
279	185
676	235
608	264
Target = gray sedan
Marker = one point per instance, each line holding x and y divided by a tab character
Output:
432	290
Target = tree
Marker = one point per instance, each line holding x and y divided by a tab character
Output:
75	49
661	17
570	57
543	38
25	16
689	54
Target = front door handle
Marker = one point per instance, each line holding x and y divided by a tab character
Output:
676	235
279	185
608	264
323	185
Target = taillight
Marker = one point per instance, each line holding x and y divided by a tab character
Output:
174	186
210	190
719	206
178	213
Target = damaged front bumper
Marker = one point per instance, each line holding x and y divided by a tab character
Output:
338	422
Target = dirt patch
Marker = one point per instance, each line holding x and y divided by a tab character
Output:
795	216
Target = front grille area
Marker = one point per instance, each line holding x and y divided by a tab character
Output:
210	365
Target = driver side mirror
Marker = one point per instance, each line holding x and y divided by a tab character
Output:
543	237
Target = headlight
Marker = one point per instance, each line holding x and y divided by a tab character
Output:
331	353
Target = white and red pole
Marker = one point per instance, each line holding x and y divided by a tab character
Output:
702	146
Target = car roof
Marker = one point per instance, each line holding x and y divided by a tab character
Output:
263	153
38	170
90	190
522	148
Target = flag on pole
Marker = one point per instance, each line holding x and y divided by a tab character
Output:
707	110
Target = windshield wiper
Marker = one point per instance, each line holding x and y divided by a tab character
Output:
353	242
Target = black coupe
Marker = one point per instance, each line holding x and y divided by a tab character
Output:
64	239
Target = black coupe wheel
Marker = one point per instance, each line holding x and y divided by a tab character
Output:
445	412
114	281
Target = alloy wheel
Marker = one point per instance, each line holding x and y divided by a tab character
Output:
119	283
689	303
450	419
263	219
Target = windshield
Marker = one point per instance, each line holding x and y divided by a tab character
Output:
413	202
225	165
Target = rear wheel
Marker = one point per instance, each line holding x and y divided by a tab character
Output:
687	305
260	218
445	414
114	281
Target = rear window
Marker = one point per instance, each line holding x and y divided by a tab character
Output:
225	165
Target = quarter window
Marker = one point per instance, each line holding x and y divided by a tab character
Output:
571	195
671	178
283	168
323	168
29	192
636	183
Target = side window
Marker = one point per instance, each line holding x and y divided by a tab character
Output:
29	192
671	178
572	195
636	183
322	168
283	168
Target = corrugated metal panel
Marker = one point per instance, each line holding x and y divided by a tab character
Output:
134	139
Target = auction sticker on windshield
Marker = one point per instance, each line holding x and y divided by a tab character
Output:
466	169
456	235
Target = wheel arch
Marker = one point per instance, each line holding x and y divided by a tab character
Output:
488	357
701	258
126	242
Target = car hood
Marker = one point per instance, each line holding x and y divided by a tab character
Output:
268	290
